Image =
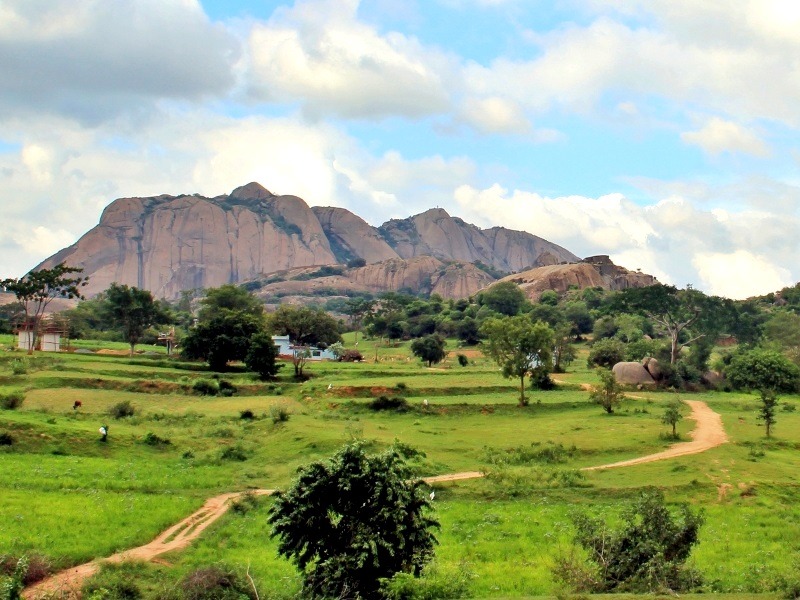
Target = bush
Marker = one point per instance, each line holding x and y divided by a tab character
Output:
151	439
247	415
760	369
113	582
122	409
606	353
351	356
19	367
206	387
12	400
215	583
433	585
37	567
226	388
245	503
6	439
279	413
647	553
386	403
236	453
462	360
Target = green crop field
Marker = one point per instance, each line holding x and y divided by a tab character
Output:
70	497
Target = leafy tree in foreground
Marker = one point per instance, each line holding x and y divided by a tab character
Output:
672	415
352	520
766	411
262	356
519	347
429	348
609	393
646	553
132	311
37	289
606	353
760	369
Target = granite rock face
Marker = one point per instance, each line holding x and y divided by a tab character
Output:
167	244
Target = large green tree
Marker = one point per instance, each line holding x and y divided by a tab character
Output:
429	348
764	370
353	519
519	347
229	317
305	326
36	290
506	298
262	356
132	311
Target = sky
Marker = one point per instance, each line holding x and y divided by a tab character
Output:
661	132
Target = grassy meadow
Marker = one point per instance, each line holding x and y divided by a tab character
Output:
69	496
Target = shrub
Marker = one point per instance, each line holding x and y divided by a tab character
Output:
6	439
386	403
214	583
606	353
351	356
247	415
279	413
19	367
235	452
122	409
760	369
433	585
226	388
245	503
113	582
206	387
12	400
647	553
462	360
37	567
151	439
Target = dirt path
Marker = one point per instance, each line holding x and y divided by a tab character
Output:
67	584
709	433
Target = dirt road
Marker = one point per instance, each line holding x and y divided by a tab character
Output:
709	433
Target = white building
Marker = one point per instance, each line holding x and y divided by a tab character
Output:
288	350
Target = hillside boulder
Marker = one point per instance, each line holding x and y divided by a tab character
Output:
633	374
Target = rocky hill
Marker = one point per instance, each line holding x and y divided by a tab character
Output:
167	244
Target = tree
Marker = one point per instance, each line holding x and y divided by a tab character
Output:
229	317
357	309
761	369
429	348
606	353
467	331
262	356
672	415
677	311
563	350
766	411
609	393
518	346
37	289
132	311
506	298
305	326
353	519
647	552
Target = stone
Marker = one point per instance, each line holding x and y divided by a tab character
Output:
633	374
653	367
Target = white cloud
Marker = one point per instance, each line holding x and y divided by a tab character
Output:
718	136
671	239
739	274
495	115
93	60
319	54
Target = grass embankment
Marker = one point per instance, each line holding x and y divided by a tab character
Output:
72	497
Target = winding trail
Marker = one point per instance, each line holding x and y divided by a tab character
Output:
66	584
709	433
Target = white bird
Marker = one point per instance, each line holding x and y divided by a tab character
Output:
330	386
433	495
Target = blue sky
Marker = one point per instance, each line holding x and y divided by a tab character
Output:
661	132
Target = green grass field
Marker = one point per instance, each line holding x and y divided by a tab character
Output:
71	497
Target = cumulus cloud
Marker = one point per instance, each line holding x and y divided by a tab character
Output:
319	54
93	60
671	239
718	136
495	115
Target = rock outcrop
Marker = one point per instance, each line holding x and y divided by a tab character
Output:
167	244
421	274
436	233
632	373
585	274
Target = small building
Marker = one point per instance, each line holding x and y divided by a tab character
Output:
288	351
50	332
